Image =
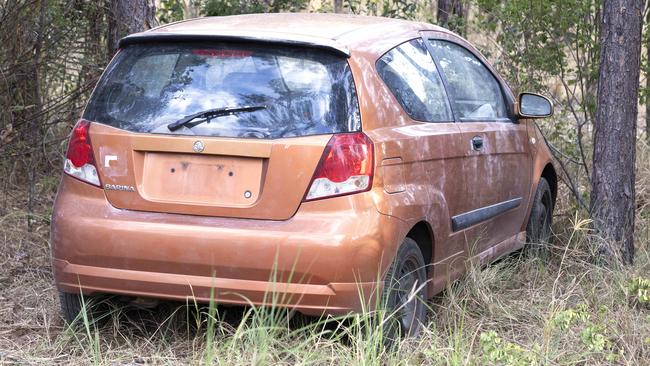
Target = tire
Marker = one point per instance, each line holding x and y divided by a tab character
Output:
538	229
406	313
72	306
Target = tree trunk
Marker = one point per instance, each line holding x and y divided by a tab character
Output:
35	124
444	10
191	9
338	6
647	79
126	17
451	14
612	198
93	46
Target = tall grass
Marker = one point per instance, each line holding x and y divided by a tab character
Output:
559	308
524	309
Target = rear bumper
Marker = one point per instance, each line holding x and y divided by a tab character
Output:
333	298
326	259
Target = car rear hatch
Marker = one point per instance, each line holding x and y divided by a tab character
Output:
254	162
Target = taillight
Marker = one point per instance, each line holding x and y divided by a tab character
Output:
79	160
345	167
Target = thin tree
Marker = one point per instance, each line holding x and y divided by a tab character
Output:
126	17
338	6
647	76
451	14
612	198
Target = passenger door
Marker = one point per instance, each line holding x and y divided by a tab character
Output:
496	161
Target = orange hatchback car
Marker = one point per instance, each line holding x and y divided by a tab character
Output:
332	161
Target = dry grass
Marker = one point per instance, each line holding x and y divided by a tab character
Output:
520	310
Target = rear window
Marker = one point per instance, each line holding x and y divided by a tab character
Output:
299	91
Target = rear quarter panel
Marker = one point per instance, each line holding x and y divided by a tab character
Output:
415	163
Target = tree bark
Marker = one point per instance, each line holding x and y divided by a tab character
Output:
126	17
191	9
647	79
35	124
338	6
612	198
93	47
450	14
444	10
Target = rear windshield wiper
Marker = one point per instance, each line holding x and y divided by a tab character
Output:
212	113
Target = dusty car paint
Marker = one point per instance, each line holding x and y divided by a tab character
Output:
168	241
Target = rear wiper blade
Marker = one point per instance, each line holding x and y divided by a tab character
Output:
212	113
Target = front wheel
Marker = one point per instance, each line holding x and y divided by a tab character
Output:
405	292
538	230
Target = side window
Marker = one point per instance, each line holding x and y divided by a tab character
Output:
410	73
476	94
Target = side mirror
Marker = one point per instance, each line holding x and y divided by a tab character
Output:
534	106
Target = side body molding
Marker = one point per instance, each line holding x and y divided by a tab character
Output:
471	218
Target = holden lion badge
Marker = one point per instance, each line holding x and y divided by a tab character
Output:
198	146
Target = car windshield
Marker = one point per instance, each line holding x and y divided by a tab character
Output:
303	91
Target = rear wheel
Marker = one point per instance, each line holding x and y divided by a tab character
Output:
538	230
405	292
72	307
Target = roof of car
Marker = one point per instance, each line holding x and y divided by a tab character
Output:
337	32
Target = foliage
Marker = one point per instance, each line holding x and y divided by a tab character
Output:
233	7
564	319
401	9
552	47
497	352
639	289
594	338
50	57
543	39
593	331
169	11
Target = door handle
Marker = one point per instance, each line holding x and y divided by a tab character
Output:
477	143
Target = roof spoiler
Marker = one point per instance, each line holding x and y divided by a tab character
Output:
266	38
